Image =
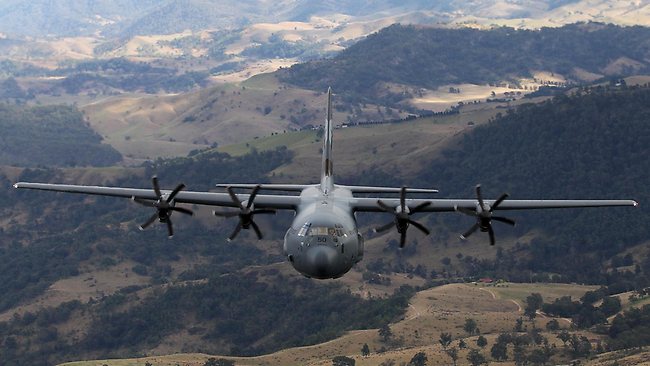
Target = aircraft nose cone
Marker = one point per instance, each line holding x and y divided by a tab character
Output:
322	260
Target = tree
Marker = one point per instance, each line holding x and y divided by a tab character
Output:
610	306
365	350
499	351
564	336
385	333
519	325
343	361
218	362
462	344
470	326
519	355
476	358
553	325
481	341
445	339
420	359
453	354
538	357
580	346
533	303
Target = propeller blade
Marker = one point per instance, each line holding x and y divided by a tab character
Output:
470	231
146	203
402	198
225	214
251	198
504	220
175	192
156	187
383	228
421	206
498	201
183	210
402	239
234	198
257	230
170	229
419	226
479	196
491	233
149	222
385	207
234	233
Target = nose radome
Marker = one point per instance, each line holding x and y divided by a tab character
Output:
322	259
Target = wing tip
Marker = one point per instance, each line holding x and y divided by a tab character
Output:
635	203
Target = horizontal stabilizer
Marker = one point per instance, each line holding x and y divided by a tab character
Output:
270	187
372	189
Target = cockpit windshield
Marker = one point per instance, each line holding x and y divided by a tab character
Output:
309	230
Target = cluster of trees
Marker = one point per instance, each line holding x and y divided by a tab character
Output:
52	136
583	313
103	76
630	329
294	313
277	47
432	57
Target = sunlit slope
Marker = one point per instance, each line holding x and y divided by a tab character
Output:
150	126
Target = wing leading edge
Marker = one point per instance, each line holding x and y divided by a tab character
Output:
368	204
199	198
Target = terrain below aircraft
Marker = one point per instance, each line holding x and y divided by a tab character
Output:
323	240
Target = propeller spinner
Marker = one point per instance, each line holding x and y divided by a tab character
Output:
245	213
484	217
164	206
402	217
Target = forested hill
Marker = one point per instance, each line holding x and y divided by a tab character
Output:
52	135
431	57
592	145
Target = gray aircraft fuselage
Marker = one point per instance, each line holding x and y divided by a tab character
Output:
323	240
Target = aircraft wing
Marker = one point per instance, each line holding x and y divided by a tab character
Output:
199	198
446	205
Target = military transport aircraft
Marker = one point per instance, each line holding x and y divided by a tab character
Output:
323	240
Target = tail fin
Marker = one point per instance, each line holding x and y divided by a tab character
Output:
327	181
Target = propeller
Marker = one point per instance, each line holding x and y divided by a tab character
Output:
402	217
246	212
484	217
164	205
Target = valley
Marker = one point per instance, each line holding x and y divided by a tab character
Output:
515	96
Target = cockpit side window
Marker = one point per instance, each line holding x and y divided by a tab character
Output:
304	229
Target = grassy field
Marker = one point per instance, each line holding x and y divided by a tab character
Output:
549	291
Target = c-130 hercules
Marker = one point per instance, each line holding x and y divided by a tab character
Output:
323	240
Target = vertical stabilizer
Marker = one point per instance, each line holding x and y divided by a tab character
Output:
326	180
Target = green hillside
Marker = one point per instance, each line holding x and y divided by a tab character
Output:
432	57
590	145
52	135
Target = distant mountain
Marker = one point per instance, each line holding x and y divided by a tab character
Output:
132	17
67	17
433	57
